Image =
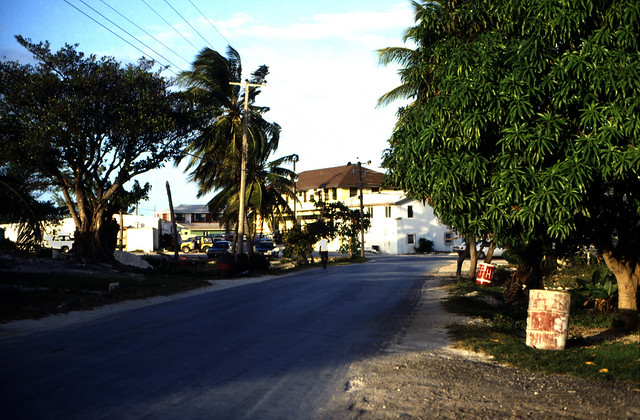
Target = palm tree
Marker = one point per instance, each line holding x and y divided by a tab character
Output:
20	193
268	187
215	152
412	72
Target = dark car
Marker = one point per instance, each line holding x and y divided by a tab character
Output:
267	248
218	248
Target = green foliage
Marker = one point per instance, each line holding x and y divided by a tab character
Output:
87	126
524	123
20	192
298	243
342	222
424	246
598	291
502	336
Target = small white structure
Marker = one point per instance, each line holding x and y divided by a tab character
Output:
140	232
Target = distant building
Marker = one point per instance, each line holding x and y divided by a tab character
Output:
397	222
193	220
330	185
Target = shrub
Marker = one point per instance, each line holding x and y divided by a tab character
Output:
599	292
424	246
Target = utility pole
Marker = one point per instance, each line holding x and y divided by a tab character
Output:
295	191
243	164
173	224
361	207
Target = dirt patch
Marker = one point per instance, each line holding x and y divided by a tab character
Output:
419	375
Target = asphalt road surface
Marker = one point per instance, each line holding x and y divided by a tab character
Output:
275	349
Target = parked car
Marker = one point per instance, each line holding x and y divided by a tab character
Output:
481	247
267	248
218	248
62	242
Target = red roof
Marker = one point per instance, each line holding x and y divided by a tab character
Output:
338	177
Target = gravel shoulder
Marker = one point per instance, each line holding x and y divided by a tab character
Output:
420	375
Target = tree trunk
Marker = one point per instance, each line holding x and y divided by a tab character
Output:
627	272
489	255
96	239
473	254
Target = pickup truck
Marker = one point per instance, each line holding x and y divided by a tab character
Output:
62	242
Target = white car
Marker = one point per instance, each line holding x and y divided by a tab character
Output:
481	248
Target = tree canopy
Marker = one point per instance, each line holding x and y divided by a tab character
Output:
87	126
525	124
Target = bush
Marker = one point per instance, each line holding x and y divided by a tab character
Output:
599	292
424	246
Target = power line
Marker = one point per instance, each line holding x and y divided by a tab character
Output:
172	27
132	36
147	33
209	22
196	31
144	53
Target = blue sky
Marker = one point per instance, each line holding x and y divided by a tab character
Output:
324	76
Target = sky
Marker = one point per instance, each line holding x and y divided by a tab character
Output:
324	79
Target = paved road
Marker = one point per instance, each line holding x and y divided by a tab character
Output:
275	349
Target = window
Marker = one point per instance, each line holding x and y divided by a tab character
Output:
411	238
387	211
180	217
368	211
448	238
312	197
375	189
353	191
409	212
198	217
334	193
304	195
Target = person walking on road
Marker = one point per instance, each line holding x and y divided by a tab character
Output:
323	248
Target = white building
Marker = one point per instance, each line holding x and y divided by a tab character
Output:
398	223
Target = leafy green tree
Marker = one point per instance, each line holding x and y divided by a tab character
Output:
215	152
298	243
344	223
534	106
87	126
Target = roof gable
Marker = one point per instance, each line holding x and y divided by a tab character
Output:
346	176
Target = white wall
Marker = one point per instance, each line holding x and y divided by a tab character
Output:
390	234
141	239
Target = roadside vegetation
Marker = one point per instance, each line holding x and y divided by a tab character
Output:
42	292
596	347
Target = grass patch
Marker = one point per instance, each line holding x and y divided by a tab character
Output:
501	330
31	295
